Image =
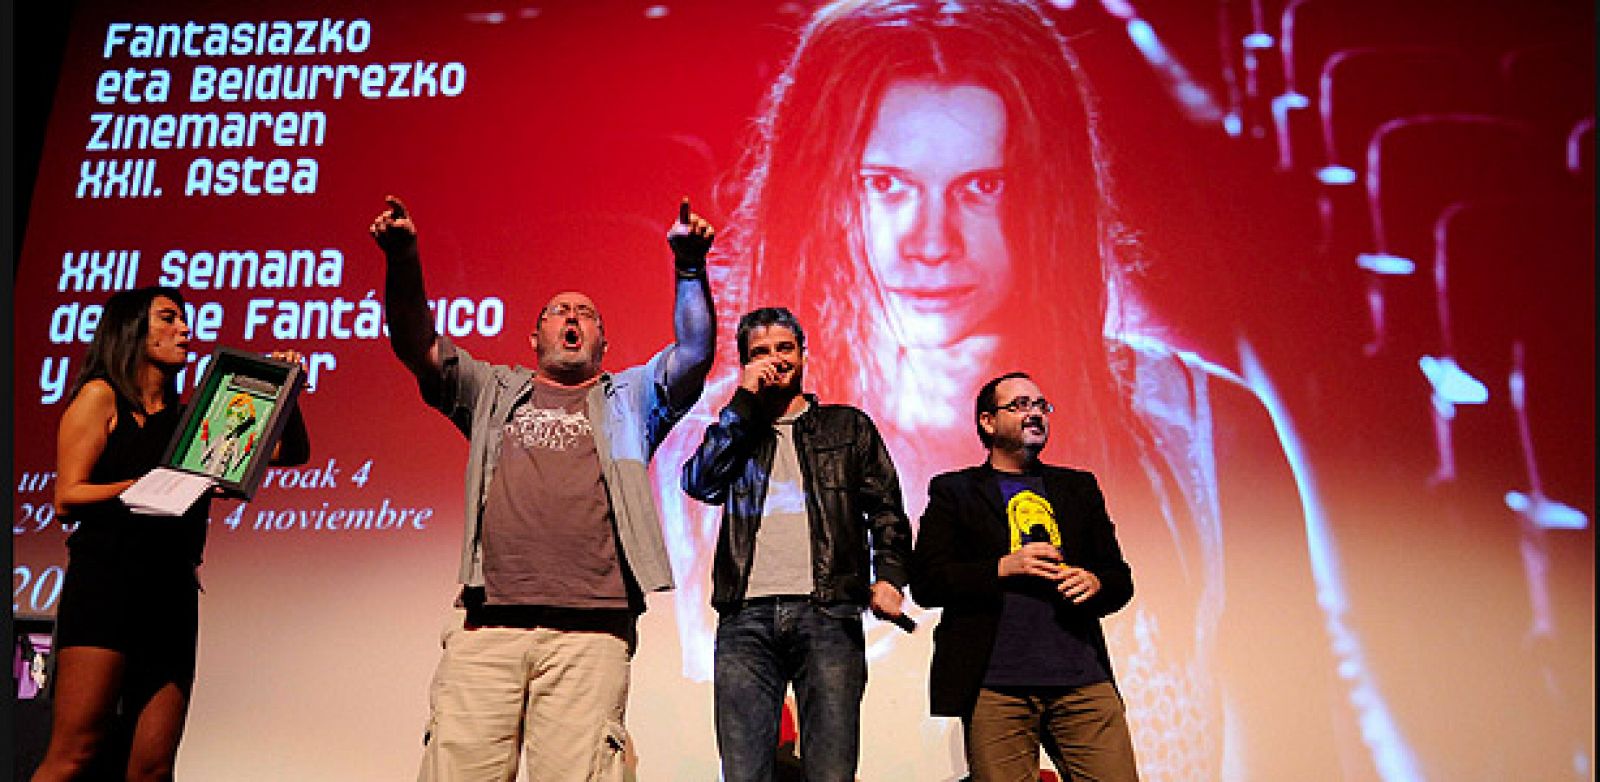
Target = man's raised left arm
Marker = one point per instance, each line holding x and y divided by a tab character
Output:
694	321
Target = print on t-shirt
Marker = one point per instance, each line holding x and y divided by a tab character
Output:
1042	639
549	429
1026	509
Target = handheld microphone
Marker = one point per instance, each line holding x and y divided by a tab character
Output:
1038	534
903	622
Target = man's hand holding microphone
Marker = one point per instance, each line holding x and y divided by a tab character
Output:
1038	557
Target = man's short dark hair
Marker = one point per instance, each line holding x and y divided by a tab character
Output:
989	403
767	317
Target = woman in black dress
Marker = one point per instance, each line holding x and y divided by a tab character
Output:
127	625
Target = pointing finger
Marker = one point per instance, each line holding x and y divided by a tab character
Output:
683	211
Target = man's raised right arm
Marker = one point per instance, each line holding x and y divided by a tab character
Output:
405	301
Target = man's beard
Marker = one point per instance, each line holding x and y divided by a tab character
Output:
573	366
790	388
1033	444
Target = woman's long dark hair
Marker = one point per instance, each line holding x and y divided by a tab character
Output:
118	345
796	238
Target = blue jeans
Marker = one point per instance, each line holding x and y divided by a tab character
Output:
761	648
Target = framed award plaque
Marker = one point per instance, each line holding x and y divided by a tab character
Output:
234	420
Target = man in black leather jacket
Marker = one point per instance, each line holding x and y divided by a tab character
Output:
804	486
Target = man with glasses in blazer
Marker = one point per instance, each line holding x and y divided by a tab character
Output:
1023	558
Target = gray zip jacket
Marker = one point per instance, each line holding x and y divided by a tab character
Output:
630	412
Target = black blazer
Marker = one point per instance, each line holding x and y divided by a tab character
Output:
955	566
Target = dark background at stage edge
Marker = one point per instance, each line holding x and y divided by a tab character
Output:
32	37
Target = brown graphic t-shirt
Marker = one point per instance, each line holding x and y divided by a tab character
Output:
548	538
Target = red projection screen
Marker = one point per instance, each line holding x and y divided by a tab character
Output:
1313	283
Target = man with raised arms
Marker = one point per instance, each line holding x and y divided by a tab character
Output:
561	536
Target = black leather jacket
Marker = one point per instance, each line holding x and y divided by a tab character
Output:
851	488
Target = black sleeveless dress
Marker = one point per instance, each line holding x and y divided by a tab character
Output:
130	583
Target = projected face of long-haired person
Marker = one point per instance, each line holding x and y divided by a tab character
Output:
932	184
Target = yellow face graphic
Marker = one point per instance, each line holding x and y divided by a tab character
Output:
1027	509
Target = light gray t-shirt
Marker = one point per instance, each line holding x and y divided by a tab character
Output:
781	564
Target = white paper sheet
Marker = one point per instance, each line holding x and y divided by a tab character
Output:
164	492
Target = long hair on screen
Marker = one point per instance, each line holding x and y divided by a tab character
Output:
797	239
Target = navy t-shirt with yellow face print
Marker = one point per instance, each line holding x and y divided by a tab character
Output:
1037	644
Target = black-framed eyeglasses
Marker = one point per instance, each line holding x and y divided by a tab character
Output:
1021	403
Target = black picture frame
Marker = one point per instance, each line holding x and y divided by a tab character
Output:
234	419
